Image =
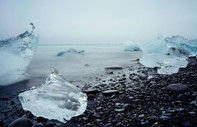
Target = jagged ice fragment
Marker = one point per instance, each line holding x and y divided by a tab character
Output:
15	55
55	99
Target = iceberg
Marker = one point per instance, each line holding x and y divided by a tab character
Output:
131	46
16	54
71	51
157	45
182	43
55	99
168	54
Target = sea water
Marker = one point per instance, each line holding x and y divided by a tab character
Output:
77	67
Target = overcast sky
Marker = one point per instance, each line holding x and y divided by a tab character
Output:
99	21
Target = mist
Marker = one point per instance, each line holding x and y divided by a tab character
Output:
103	21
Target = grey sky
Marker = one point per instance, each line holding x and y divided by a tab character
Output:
99	21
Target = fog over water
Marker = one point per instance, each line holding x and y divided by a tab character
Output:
99	21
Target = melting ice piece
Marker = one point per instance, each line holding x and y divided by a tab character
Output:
167	64
55	99
15	55
131	46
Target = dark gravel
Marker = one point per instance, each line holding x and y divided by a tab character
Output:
144	99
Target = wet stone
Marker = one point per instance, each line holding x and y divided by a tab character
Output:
177	87
21	122
91	91
110	92
109	125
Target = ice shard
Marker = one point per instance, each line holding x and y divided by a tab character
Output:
15	55
55	99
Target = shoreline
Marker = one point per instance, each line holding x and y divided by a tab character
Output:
139	99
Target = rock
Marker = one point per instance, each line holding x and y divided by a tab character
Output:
38	125
193	102
114	67
142	115
180	109
109	125
117	104
187	124
192	113
182	97
12	103
96	115
50	124
131	97
149	77
177	87
90	91
171	111
21	122
86	65
163	118
110	72
110	92
41	119
99	108
152	119
120	110
126	106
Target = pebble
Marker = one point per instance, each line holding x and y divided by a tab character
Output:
110	92
180	109
177	87
38	125
109	125
193	102
187	124
192	113
90	91
142	115
21	122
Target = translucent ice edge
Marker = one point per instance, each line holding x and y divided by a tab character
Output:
55	99
166	64
15	55
168	54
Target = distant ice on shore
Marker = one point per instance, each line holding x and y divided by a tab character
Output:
132	46
55	99
15	55
71	51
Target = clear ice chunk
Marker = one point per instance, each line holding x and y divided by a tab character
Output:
168	54
166	64
55	99
15	55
